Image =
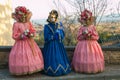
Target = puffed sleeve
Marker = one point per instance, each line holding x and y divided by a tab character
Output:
95	35
16	32
79	35
48	35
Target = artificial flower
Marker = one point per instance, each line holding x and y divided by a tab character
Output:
87	34
20	13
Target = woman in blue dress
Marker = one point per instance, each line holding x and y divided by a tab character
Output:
56	62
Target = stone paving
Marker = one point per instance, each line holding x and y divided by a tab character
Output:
112	72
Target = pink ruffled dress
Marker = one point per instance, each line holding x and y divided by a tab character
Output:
25	56
88	56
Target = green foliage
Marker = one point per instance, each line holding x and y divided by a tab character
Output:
71	36
105	36
40	39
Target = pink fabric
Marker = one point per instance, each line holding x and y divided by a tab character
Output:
88	56
25	56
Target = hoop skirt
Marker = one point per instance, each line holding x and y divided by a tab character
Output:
88	56
25	56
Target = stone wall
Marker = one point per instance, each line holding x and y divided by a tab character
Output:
112	55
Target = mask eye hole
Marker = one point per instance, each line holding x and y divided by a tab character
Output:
53	16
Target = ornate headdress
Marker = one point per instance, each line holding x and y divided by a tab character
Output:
86	15
20	13
51	14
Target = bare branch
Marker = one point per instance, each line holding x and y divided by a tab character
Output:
118	8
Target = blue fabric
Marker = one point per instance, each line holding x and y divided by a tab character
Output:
61	24
56	62
56	36
61	33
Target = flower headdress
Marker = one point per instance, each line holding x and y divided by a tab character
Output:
20	13
86	15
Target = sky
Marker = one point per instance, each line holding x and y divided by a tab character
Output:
41	8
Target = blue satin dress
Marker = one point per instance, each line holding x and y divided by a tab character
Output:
56	62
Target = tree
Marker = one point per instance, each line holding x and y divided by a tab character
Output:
68	20
118	8
98	7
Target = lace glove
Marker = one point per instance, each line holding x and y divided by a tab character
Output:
23	36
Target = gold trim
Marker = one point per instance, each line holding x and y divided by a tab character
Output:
50	68
51	29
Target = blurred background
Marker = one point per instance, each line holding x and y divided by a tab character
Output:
106	13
